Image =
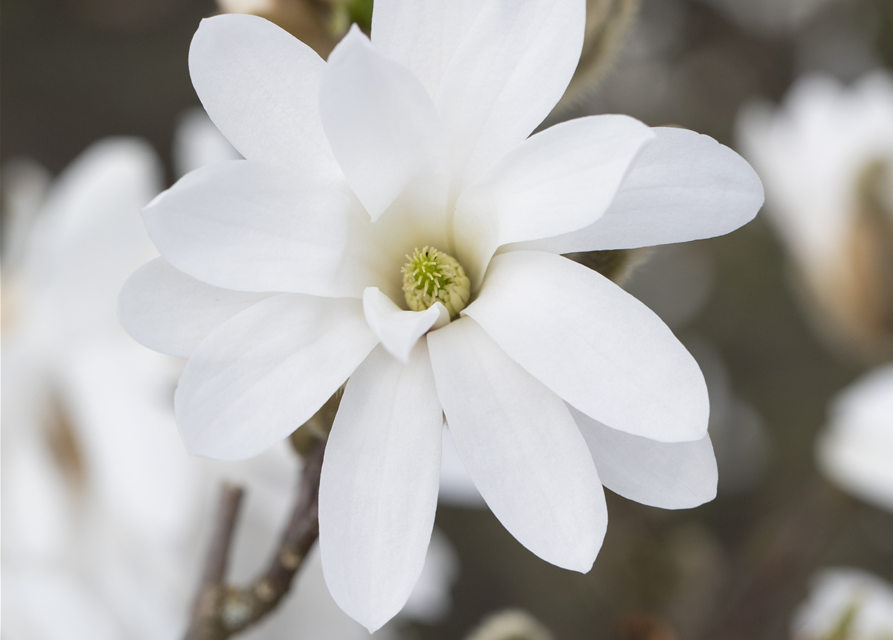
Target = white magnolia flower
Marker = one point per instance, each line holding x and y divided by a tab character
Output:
283	275
856	450
846	603
826	158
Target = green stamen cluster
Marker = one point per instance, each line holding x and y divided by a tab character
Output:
432	276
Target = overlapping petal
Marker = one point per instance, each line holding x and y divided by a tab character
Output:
266	371
559	180
400	330
423	36
683	186
384	131
509	69
593	344
252	227
669	475
168	311
260	86
520	446
378	490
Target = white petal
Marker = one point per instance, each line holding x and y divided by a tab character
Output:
559	180
521	447
383	128
674	475
260	85
266	371
168	311
378	489
511	67
683	186
397	329
593	344
423	36
252	227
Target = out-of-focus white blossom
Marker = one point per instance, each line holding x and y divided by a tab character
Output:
848	604
96	491
856	449
826	160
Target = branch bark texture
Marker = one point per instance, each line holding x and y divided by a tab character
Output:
222	610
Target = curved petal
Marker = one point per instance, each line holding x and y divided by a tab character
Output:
683	186
265	372
168	311
559	180
510	68
384	130
593	344
397	329
252	227
675	475
378	489
260	86
520	446
423	36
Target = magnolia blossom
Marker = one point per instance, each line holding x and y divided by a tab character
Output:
396	226
96	492
846	603
826	157
856	450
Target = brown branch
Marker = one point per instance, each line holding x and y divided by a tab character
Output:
223	610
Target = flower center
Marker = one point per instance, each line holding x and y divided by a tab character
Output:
432	276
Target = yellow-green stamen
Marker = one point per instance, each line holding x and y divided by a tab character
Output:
432	276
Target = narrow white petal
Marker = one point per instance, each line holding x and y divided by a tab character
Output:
397	329
559	180
383	128
168	311
252	227
266	371
378	489
510	68
423	36
520	446
683	186
593	344
260	86
669	475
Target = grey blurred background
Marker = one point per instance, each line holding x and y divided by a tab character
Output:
74	71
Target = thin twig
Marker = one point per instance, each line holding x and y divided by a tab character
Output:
223	610
206	602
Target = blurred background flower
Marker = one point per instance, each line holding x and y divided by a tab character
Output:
786	333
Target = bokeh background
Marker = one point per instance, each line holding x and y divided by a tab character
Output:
76	71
